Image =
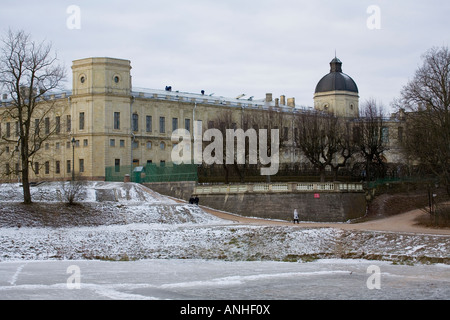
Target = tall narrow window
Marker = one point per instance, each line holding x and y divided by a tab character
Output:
69	123
148	123
117	120
81	120
69	167
81	165
36	126
8	129
135	122
385	134
47	125
400	134
116	165
174	124
58	125
187	124
47	167
162	124
57	167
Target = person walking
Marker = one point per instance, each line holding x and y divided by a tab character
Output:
296	216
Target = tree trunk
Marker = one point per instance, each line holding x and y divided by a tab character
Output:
26	185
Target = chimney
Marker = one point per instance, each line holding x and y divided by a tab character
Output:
268	97
283	100
277	102
291	102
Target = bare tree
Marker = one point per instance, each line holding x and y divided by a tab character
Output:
371	138
427	98
324	140
29	72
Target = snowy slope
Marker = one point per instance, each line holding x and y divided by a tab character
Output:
141	224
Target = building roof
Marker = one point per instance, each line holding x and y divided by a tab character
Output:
336	80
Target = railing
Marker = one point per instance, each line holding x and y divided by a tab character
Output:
280	187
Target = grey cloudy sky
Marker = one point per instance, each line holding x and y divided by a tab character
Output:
232	47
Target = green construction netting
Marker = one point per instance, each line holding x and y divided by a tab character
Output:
153	173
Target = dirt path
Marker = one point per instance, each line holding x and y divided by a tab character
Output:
404	222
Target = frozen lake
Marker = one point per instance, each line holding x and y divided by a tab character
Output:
220	280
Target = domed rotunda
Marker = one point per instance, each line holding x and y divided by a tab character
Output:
337	92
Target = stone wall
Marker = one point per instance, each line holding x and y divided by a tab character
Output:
333	203
328	207
181	190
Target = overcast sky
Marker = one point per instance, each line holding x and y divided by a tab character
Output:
251	47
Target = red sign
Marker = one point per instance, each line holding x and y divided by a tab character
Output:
316	195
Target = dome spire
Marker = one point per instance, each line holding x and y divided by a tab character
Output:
336	65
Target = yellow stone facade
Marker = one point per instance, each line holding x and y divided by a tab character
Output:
113	124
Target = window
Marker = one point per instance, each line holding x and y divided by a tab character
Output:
148	123
47	146
135	122
285	133
149	144
69	123
385	134
81	121
36	167
58	125
7	169
400	134
122	143
47	125
162	145
112	142
85	143
81	165
57	145
174	124
117	165
47	167
162	124
57	167
36	127
8	129
162	163
187	124
116	120
135	144
69	167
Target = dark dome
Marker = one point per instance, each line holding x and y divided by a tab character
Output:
336	80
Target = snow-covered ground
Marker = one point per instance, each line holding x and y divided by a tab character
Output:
130	223
192	279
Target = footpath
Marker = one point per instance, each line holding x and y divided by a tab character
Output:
403	223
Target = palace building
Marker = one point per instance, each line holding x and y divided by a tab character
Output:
105	122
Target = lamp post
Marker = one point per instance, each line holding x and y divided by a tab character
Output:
73	158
